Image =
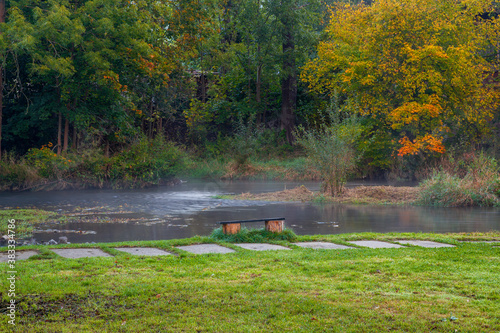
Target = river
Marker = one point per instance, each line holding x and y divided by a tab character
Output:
190	209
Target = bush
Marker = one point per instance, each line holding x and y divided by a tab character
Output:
48	164
480	186
332	149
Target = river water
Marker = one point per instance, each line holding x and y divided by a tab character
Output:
190	209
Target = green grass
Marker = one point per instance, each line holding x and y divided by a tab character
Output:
363	290
26	220
246	235
295	168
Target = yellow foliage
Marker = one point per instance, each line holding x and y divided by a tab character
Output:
415	65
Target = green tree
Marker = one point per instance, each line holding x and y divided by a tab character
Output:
105	63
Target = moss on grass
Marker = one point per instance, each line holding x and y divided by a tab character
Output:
25	220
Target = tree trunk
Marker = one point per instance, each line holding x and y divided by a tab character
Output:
288	83
59	131
106	150
160	126
73	143
66	135
260	117
2	20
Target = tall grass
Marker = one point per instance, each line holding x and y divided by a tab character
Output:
17	174
478	185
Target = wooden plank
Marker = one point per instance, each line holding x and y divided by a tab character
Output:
275	226
231	228
256	220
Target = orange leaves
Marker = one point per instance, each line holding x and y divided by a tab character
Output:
113	80
428	142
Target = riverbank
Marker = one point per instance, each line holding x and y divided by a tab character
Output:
111	173
302	290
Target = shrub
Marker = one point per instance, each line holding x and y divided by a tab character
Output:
332	149
48	164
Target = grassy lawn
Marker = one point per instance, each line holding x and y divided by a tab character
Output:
362	290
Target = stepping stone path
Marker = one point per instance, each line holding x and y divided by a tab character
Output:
375	244
143	251
322	245
80	253
214	248
21	255
424	243
261	246
205	248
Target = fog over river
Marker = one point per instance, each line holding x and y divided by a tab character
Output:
191	209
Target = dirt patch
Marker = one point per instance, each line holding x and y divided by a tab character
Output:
360	194
388	194
68	307
300	193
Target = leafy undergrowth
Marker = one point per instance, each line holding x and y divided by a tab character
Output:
254	236
303	290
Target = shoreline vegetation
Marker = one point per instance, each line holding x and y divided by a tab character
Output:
302	290
471	180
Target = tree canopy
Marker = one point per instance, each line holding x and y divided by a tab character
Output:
414	66
420	75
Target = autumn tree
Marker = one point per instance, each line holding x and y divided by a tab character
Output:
413	66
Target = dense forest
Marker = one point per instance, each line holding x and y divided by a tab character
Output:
133	92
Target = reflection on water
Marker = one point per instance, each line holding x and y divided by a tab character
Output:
191	209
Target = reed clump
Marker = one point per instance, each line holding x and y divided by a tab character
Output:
479	185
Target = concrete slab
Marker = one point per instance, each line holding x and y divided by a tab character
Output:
80	253
20	255
205	248
423	243
375	244
261	246
322	245
143	251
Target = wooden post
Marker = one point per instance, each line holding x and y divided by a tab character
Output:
275	226
231	228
